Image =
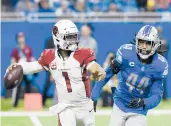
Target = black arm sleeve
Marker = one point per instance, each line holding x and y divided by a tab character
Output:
116	66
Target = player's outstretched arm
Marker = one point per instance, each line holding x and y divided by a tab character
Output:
99	85
155	98
14	73
28	67
112	69
97	72
157	89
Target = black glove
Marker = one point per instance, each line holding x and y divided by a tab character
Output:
136	103
94	104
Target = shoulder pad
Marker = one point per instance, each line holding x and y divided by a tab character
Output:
162	66
84	53
124	52
47	56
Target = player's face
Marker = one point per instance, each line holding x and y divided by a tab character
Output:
72	38
144	46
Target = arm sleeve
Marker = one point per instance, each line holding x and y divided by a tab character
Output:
99	85
157	89
156	95
114	67
31	67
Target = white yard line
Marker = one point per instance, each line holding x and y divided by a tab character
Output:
11	113
35	121
99	113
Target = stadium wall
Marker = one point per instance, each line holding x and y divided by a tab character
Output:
110	36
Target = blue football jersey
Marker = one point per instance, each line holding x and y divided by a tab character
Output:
137	80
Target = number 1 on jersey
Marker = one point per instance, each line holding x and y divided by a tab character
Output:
67	80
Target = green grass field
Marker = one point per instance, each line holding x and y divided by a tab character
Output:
101	120
6	105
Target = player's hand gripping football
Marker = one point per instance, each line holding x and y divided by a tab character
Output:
13	76
11	67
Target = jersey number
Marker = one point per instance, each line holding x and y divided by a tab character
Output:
67	80
131	81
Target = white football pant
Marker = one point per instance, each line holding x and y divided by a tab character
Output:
78	116
120	118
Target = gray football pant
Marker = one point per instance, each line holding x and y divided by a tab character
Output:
120	118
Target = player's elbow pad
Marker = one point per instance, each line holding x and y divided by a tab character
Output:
115	65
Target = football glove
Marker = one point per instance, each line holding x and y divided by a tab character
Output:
136	103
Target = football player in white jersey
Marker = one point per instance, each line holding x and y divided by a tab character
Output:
69	67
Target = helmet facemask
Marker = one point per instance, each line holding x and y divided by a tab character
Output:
71	41
66	35
147	41
148	50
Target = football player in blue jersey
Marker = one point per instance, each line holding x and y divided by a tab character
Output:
140	72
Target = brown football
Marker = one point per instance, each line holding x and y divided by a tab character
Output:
13	77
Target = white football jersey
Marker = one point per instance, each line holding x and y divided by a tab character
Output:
70	75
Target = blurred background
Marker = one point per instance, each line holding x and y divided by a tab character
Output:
104	25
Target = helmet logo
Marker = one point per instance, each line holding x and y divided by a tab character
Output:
55	31
147	30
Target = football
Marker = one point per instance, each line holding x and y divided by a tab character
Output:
13	77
